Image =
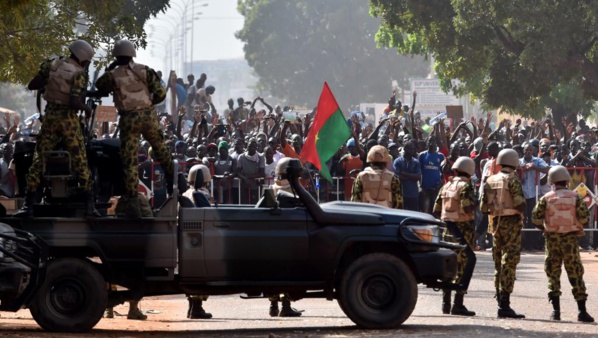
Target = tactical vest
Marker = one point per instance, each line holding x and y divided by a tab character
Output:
498	197
191	191
451	201
60	81
283	185
131	91
561	214
376	186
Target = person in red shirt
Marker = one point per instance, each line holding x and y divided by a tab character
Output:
350	165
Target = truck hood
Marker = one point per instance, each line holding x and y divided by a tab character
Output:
390	216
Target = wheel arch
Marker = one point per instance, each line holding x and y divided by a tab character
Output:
354	249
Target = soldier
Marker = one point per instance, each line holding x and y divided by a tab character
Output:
64	80
136	89
281	183
376	184
199	179
562	214
503	199
455	205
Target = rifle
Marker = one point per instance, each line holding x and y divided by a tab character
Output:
93	100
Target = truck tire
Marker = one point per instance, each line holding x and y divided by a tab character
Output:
71	299
378	291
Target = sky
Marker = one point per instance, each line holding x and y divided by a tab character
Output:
213	33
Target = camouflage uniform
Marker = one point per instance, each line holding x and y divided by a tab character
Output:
563	248
465	233
395	187
61	123
134	123
506	248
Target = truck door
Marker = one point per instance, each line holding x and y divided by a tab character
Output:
256	243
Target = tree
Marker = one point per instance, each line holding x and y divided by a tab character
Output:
33	30
521	55
294	46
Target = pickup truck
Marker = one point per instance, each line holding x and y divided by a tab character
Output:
367	257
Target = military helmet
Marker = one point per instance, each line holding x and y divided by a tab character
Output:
195	170
82	50
558	174
378	154
281	166
124	48
478	143
465	165
508	157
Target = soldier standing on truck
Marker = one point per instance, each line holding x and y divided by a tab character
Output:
376	184
455	205
136	89
64	80
199	178
503	199
281	183
561	214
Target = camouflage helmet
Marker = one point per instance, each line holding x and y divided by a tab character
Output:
124	48
82	50
205	172
281	166
465	165
508	157
558	173
378	154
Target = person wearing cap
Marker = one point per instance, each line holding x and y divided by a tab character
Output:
502	198
455	205
64	79
561	215
408	169
350	165
532	167
211	157
376	184
136	89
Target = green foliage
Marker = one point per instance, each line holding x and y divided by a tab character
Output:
34	30
294	46
521	55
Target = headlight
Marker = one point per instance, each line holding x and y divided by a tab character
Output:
426	233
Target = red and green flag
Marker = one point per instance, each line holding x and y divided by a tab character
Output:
328	133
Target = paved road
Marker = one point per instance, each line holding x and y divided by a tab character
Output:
234	317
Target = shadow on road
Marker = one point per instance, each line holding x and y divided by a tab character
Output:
462	331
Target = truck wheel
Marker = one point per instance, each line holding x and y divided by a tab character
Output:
72	297
378	291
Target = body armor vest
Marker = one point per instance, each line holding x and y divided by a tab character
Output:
561	214
451	201
282	185
376	186
191	192
500	201
60	81
131	92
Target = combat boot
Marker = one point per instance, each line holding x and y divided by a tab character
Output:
556	308
583	315
134	311
274	308
287	310
446	301
109	313
459	309
504	308
90	208
132	209
197	311
27	209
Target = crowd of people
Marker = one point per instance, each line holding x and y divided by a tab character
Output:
242	146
